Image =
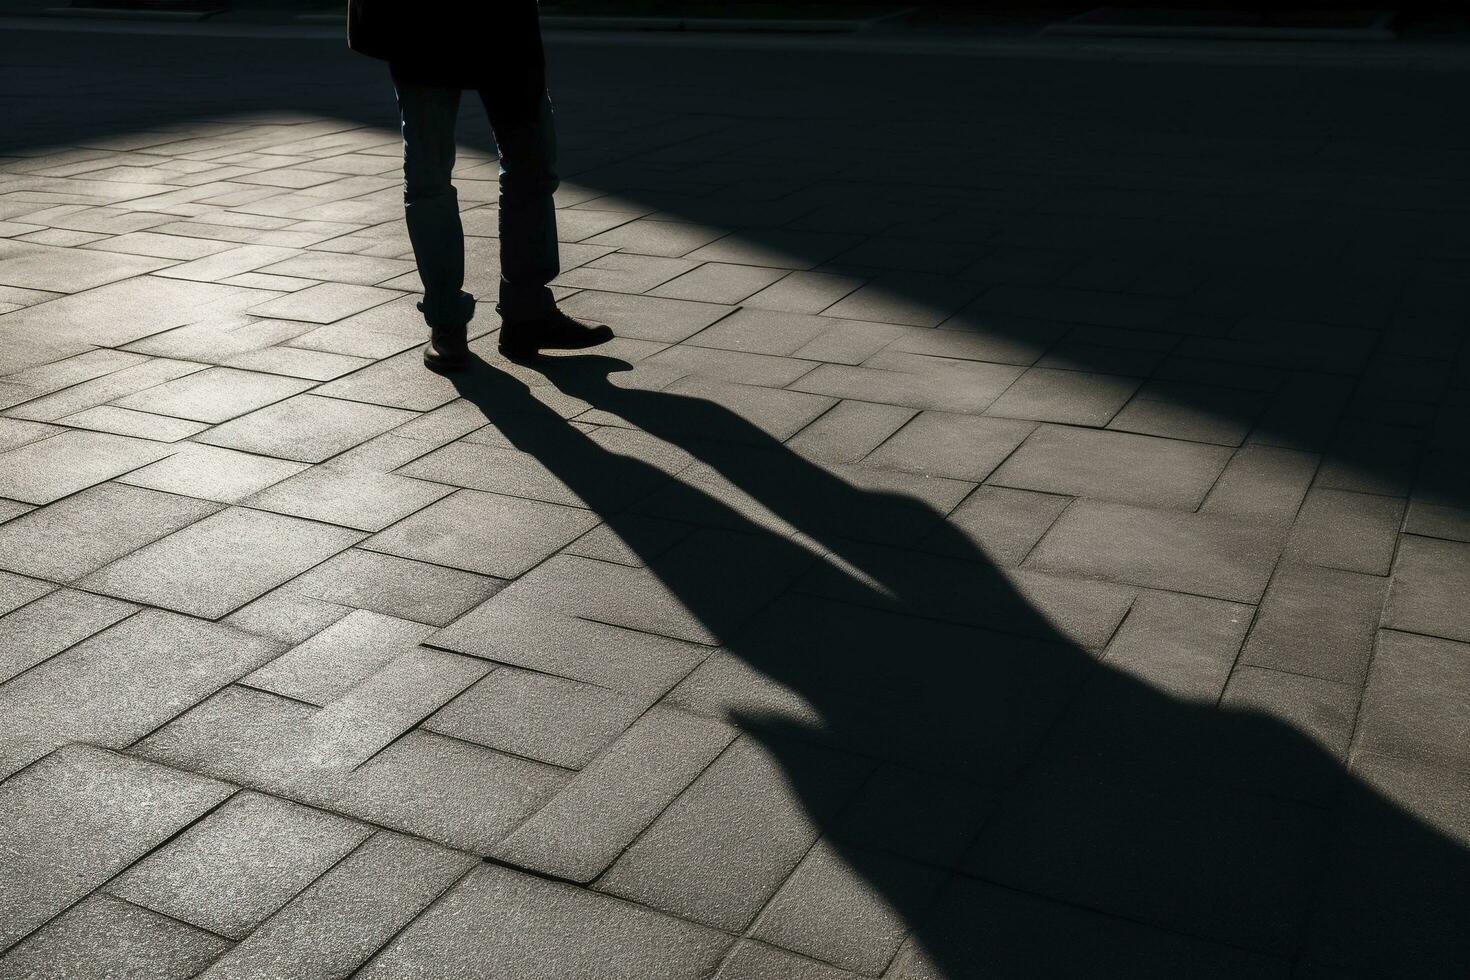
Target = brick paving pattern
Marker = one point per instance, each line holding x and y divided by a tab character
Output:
1022	528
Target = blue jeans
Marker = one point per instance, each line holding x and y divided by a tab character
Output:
526	139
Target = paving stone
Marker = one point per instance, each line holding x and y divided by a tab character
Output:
105	937
66	270
215	566
718	282
1428	580
571	225
333	927
735	366
1379	852
624	273
160	246
1436	508
214	395
1146	843
920	301
232	870
536	638
645	317
1183	645
361	270
1415	704
486	533
45	471
79	534
577	834
219	339
1320	710
1072	397
15	433
961	447
227	263
296	362
1198	553
49	376
1195	412
704	587
1262	483
751	960
1318	622
52	623
1021	939
1113	466
370	716
804	292
1004	525
211	473
348	651
667	238
123	682
758	331
918	382
400	381
731	490
778	248
89	394
928	817
122	312
395	587
1351	531
286	617
847	906
78	817
17	590
635	538
142	425
720	850
325	303
548	930
849	431
753	413
306	428
457	793
352	498
539	716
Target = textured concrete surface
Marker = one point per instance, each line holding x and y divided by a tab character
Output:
1022	528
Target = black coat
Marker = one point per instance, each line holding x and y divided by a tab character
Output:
492	44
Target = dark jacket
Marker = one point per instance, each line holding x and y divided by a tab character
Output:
461	43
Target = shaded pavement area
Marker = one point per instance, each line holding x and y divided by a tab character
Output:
1020	531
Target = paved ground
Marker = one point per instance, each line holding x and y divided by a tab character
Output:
1021	531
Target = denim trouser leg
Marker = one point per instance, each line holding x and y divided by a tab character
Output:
430	203
526	139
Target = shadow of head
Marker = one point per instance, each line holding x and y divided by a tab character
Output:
954	734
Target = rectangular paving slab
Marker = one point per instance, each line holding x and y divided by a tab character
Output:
334	926
214	567
122	683
238	865
306	428
1163	549
83	532
577	835
78	817
50	469
550	931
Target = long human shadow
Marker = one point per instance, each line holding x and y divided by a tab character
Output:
1061	775
996	784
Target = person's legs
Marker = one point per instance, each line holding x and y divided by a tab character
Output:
525	134
430	203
